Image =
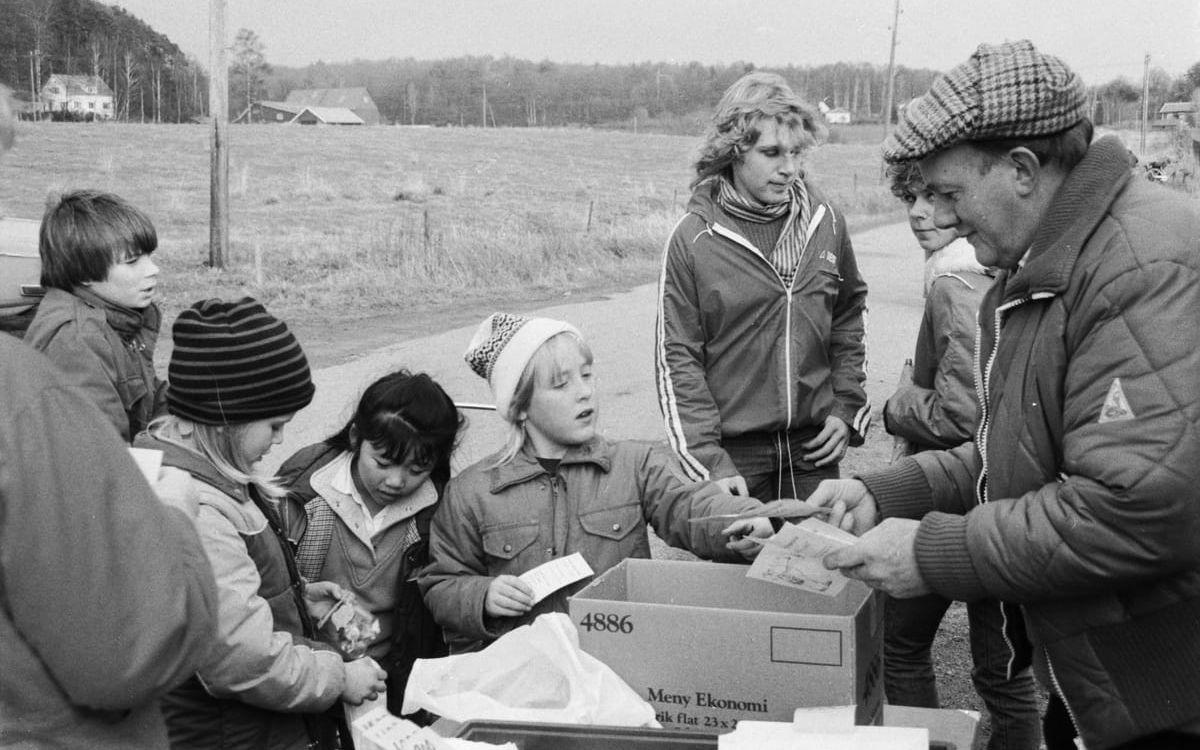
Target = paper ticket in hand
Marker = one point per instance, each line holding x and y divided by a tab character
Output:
793	557
148	460
549	577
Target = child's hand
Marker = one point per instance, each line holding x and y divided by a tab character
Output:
322	596
365	680
740	531
507	596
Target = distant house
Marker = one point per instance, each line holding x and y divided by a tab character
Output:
79	95
1178	111
358	100
838	116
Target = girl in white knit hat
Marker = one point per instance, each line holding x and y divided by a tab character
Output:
555	489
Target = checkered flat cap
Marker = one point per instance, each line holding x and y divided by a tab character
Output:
1005	90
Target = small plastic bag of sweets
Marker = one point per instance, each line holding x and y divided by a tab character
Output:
352	626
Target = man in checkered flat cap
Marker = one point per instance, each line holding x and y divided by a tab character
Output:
1079	500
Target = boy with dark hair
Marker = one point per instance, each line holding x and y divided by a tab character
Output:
98	321
938	409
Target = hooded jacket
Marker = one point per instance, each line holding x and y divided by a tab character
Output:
106	350
106	595
510	518
737	351
938	409
266	670
1080	499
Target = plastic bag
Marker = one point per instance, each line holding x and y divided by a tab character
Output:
536	673
350	627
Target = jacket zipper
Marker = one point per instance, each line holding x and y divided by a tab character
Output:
983	381
1063	698
809	231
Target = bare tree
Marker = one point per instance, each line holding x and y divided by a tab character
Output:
249	64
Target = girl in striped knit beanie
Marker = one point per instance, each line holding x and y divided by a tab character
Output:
236	377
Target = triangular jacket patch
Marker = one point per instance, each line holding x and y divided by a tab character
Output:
1116	406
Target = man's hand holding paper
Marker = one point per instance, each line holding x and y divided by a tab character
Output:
884	558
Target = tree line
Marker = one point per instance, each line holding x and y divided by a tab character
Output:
154	81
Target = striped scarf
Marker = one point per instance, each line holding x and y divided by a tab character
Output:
790	246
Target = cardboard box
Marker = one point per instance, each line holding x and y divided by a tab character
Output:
707	646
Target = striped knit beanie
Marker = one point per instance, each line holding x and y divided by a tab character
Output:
234	362
1006	90
503	345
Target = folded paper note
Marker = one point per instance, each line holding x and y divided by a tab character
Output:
549	577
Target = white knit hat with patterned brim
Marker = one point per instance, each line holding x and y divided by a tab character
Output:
502	347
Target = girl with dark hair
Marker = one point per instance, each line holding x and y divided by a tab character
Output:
359	505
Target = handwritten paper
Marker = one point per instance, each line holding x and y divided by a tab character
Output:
792	557
393	733
149	461
549	577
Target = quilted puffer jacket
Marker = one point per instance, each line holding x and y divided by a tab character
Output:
1085	474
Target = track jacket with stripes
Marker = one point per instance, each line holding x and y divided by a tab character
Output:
739	351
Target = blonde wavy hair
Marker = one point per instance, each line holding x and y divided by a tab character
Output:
737	122
218	444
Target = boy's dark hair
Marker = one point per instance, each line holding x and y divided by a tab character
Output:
904	178
85	232
405	416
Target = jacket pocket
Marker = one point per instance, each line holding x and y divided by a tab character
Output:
506	542
612	523
133	390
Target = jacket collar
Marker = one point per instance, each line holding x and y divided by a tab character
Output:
525	466
195	464
124	320
704	204
1078	207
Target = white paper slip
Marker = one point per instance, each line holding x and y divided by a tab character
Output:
149	461
549	577
393	733
767	735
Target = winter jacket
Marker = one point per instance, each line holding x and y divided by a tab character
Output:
510	518
107	598
382	575
938	409
106	350
737	351
1085	476
267	678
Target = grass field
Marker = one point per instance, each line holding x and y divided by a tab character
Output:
387	220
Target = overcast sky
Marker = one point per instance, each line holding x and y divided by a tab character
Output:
1100	39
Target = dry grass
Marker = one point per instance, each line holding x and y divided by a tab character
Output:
327	221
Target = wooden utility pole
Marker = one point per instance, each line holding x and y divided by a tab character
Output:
891	75
218	110
1145	100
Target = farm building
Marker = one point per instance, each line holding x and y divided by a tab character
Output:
358	100
1184	112
327	116
282	112
279	112
79	95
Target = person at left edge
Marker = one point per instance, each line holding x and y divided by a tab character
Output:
107	598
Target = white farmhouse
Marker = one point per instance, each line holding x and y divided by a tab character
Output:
79	95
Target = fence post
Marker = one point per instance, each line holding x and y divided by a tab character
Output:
591	205
258	264
427	230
